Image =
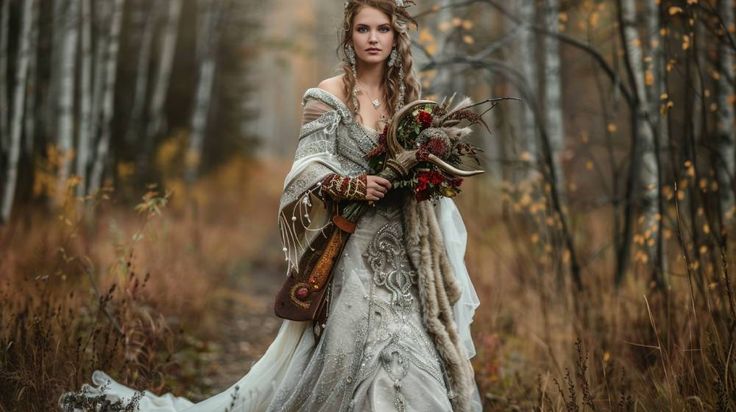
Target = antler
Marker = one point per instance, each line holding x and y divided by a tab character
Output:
398	155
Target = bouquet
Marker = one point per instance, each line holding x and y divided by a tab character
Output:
436	134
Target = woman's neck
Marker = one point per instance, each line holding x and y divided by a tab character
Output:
371	75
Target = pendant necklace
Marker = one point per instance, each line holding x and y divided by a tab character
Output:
376	104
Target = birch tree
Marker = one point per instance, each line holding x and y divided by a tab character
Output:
4	29
16	125
103	143
526	63
141	85
655	82
85	98
163	77
205	81
65	102
725	124
643	172
553	89
30	111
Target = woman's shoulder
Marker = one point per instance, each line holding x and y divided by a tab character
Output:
334	86
329	92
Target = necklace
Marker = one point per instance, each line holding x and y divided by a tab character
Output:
376	104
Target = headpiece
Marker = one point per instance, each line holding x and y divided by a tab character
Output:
402	4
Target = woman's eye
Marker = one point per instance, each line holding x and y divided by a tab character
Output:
362	29
384	29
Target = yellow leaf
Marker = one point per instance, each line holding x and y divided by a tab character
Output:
685	42
468	39
612	128
649	77
675	10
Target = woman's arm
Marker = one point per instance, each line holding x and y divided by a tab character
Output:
361	187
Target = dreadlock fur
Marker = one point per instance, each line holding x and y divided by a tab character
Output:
438	291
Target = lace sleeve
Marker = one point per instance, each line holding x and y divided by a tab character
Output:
313	109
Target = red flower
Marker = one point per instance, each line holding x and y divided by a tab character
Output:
436	177
422	154
425	118
423	181
437	147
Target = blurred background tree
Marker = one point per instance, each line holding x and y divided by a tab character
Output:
600	238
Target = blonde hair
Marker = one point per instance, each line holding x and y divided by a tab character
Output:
400	20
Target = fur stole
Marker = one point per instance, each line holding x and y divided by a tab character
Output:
438	291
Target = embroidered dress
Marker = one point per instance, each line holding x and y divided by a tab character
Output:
375	353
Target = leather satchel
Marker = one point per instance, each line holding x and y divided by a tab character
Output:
302	297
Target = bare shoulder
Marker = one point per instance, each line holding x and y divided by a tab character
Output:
334	86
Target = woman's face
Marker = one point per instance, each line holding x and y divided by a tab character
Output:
373	36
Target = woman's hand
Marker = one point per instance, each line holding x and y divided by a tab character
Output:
377	187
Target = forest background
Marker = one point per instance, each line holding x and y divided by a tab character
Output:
143	146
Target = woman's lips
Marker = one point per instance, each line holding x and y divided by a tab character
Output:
373	51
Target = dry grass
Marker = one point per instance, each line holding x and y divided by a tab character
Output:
543	345
146	297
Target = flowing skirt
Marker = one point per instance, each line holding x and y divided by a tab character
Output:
374	353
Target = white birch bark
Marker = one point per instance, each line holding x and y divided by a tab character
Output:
18	104
30	117
102	13
85	98
4	29
553	91
141	84
526	60
648	176
203	96
725	124
108	99
65	124
156	118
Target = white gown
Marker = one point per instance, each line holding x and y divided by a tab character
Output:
374	353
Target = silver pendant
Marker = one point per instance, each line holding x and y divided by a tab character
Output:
376	103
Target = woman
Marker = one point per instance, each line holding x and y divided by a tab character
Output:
396	335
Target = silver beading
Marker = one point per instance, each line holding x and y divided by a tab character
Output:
392	57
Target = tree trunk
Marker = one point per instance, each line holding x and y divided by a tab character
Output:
725	126
203	96
642	129
18	104
108	102
132	135
30	112
103	13
661	130
553	90
527	65
85	98
49	103
156	118
4	115
65	102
